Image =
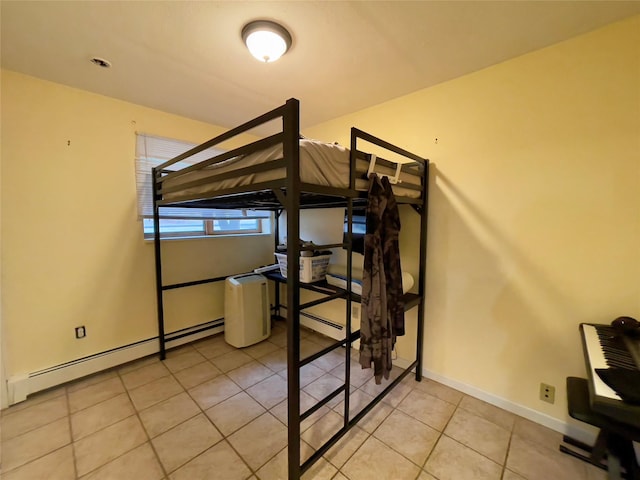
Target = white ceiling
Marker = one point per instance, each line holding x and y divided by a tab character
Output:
187	57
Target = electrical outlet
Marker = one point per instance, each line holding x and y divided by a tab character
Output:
547	393
81	332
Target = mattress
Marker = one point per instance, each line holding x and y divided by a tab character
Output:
321	163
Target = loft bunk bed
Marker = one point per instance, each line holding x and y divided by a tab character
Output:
285	172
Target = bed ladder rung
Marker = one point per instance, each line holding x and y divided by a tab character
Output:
323	352
324	401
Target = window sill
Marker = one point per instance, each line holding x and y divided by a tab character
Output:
206	237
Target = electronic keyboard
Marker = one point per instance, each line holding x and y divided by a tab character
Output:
606	347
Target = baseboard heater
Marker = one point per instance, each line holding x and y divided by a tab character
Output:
21	386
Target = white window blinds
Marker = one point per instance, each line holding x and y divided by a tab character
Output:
152	151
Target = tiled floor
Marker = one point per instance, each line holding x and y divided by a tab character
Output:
213	412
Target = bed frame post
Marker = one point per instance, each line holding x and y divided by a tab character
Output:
291	150
158	258
276	239
424	214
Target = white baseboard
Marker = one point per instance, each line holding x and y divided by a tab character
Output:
584	435
326	327
322	325
22	385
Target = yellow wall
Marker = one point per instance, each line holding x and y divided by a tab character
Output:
534	209
72	248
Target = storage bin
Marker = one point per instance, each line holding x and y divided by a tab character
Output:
312	269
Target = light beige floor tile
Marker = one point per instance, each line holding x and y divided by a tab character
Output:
94	393
330	361
139	464
276	361
323	386
101	415
144	375
358	401
196	374
249	374
260	349
57	465
220	461
136	364
184	442
394	397
235	412
319	338
278	325
473	445
407	436
451	460
277	469
258	441
214	391
344	448
154	392
308	374
107	444
534	461
280	411
509	475
35	443
183	359
595	473
34	399
169	413
178	351
213	347
535	432
358	376
323	429
308	348
479	434
231	360
33	417
428	409
489	412
278	338
91	380
426	476
439	390
270	391
375	417
375	460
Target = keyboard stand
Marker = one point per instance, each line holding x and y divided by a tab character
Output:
615	440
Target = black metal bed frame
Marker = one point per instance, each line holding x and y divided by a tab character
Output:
291	195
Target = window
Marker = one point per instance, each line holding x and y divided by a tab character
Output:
185	228
358	228
186	222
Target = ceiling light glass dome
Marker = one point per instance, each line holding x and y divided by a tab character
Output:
267	41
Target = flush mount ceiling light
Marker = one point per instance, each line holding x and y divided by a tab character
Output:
267	41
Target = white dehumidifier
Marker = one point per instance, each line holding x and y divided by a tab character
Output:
246	310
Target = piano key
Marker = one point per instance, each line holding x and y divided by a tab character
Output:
597	360
602	398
